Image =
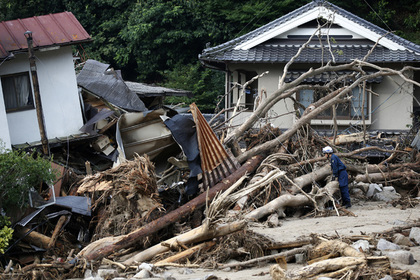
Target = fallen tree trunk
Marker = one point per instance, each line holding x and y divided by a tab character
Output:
310	178
279	204
193	236
179	213
407	176
377	168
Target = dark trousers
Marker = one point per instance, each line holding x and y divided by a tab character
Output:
343	181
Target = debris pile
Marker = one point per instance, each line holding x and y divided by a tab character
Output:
124	196
194	208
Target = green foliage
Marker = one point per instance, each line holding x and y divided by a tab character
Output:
207	85
148	39
20	171
6	233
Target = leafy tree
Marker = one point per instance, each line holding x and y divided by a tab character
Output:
20	171
207	85
6	233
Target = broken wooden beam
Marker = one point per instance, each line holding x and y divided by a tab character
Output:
57	230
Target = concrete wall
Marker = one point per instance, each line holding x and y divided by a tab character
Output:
392	109
59	97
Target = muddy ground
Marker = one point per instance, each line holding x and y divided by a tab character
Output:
370	217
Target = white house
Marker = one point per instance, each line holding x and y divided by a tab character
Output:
389	103
52	37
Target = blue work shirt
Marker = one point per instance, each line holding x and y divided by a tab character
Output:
336	165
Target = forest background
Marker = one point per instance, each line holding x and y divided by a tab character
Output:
158	41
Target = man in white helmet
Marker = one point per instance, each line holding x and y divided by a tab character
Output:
340	173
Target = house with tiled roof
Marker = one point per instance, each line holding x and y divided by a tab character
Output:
39	95
384	102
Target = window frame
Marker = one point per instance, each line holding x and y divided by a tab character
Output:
250	94
20	107
350	108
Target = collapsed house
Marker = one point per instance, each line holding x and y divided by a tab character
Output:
39	97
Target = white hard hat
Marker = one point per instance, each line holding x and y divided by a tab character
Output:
327	150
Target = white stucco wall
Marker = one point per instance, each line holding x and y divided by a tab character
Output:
59	97
281	114
4	126
391	111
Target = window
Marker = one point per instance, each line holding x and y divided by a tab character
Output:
351	109
249	94
17	92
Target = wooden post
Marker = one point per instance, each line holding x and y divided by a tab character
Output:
38	103
57	230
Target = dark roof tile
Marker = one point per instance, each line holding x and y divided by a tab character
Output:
343	54
283	53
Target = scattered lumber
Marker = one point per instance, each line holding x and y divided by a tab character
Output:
184	254
287	254
193	236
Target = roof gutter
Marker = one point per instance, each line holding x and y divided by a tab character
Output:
210	66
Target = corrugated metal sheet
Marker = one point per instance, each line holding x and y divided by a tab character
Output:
216	162
47	30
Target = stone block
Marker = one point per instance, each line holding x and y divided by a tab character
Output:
385	245
402	240
415	234
400	256
373	189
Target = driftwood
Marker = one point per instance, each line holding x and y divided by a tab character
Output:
341	264
334	246
292	244
287	254
184	254
193	236
171	217
348	138
279	204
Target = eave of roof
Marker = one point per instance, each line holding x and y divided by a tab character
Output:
58	29
283	54
226	52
